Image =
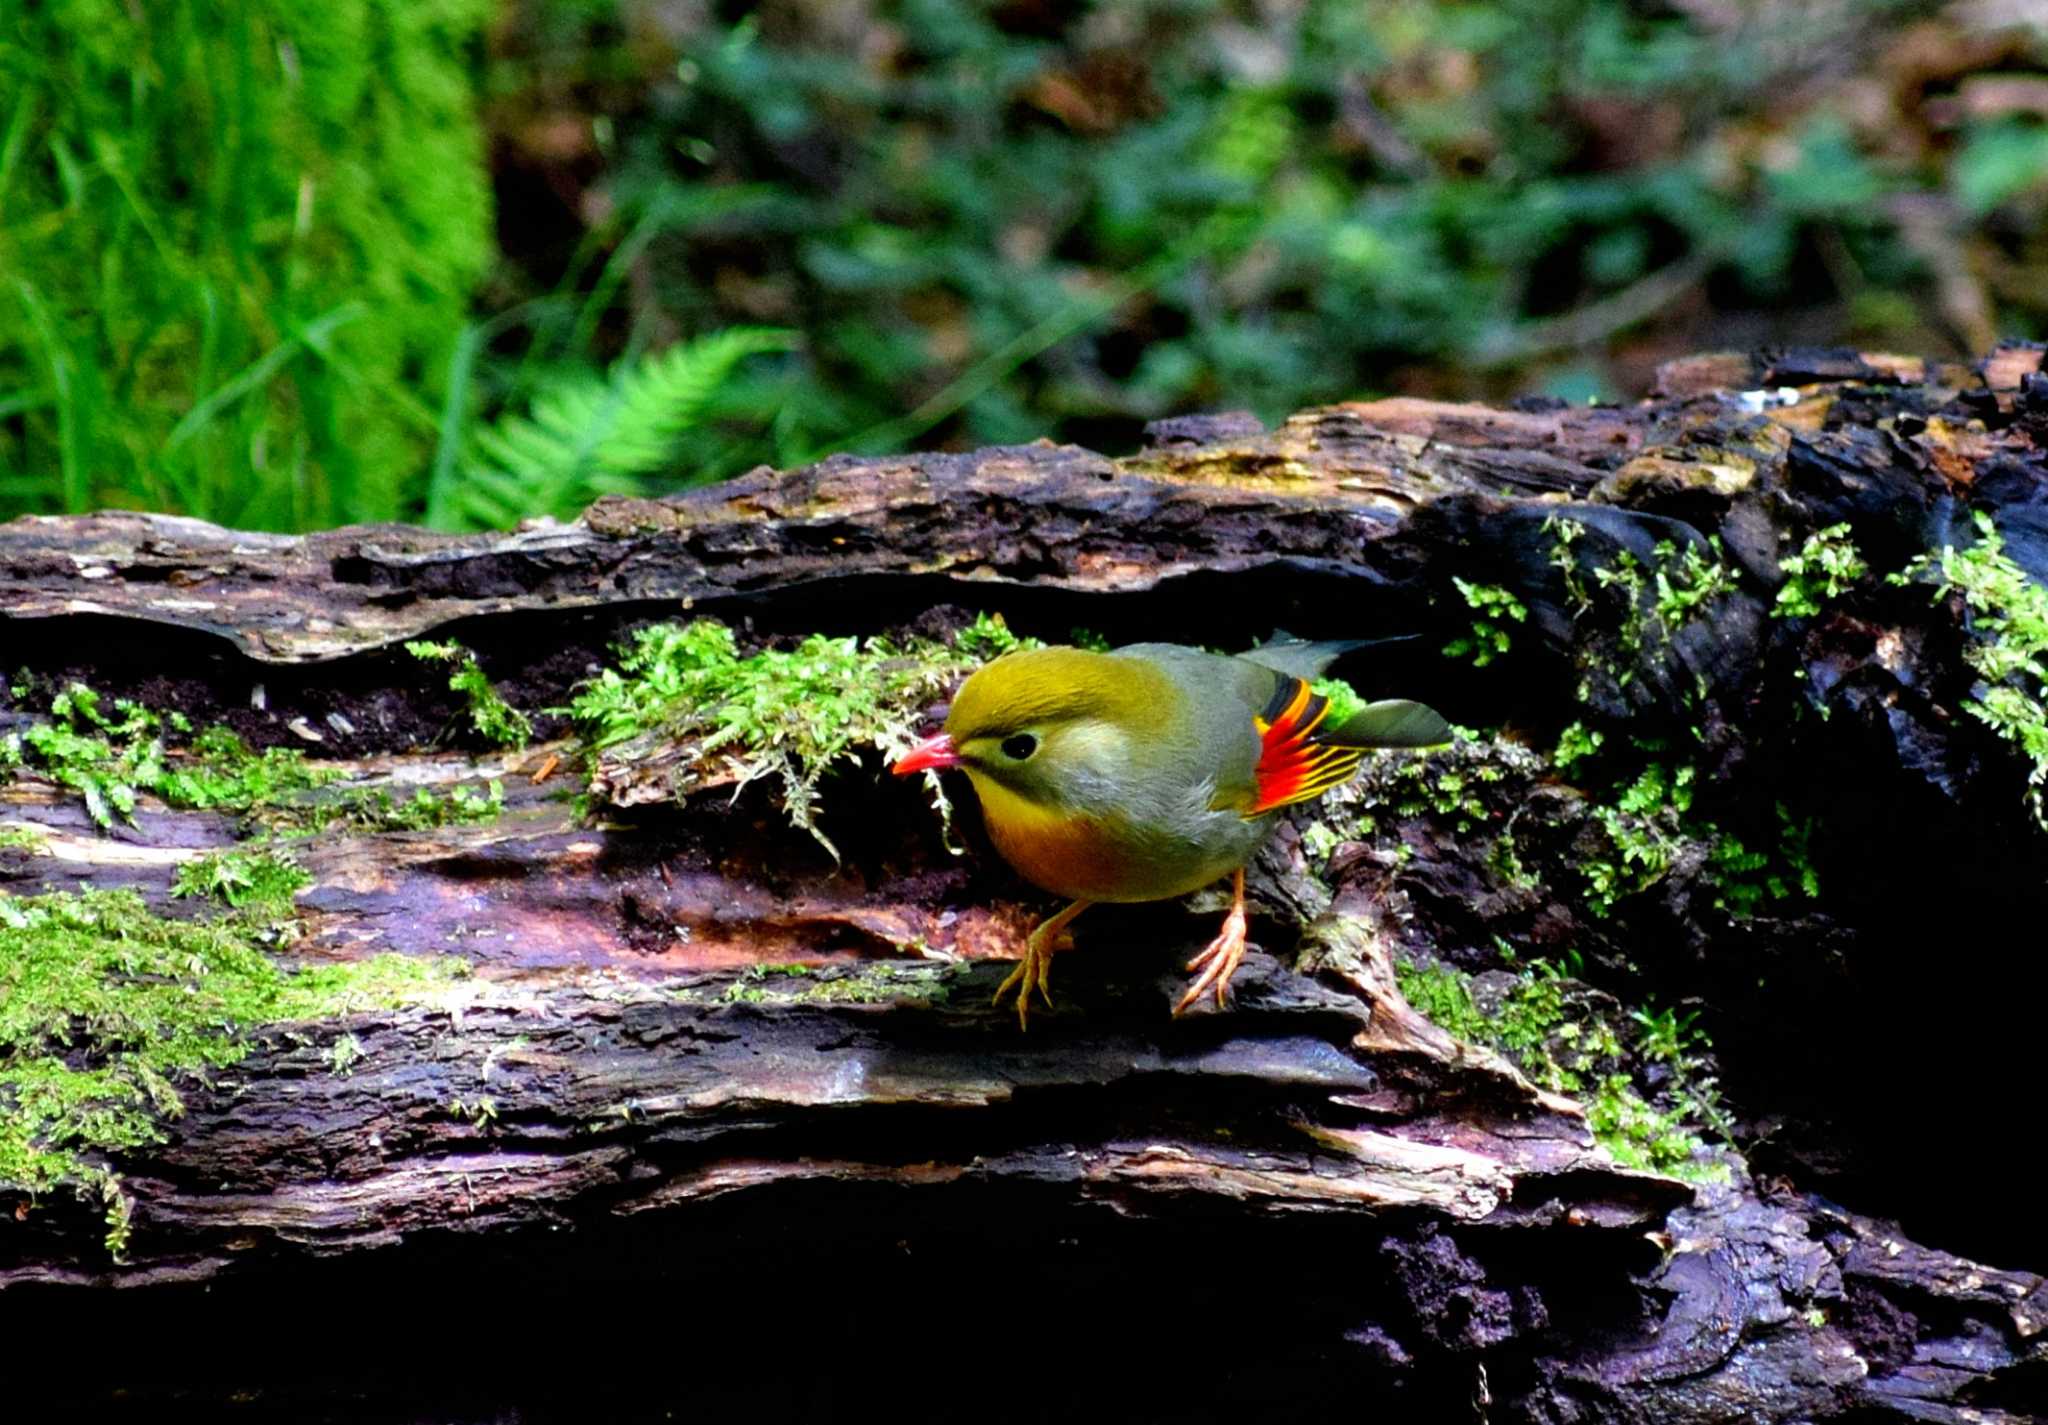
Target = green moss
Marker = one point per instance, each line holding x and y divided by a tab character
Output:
243	879
1564	537
1493	609
2008	618
495	720
1686	581
1561	1037
1574	745
110	755
375	809
1825	568
1747	879
1646	816
107	1010
1444	996
1345	702
990	637
1643	1137
784	715
478	1112
1650	602
346	1052
883	982
16	837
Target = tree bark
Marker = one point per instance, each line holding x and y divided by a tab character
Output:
1314	1196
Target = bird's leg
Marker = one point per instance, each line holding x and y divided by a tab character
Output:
1033	970
1220	961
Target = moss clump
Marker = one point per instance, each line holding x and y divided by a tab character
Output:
2008	614
1567	1040
1685	581
786	715
375	809
924	986
15	837
1825	568
495	720
110	754
243	879
1493	609
106	1008
1649	601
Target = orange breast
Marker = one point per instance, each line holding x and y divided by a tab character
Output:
1068	855
1077	859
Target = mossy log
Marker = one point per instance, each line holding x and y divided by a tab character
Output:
710	1088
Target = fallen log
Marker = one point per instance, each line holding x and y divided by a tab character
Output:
1734	784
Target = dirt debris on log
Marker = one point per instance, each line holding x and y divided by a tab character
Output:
1752	660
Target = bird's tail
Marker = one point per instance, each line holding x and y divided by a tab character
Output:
1299	658
1395	722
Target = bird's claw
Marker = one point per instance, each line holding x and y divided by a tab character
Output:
1217	963
1034	971
1031	973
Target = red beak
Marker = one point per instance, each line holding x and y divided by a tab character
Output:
934	754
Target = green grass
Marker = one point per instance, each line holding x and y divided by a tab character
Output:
238	241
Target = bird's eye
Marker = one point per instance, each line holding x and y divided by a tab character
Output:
1019	747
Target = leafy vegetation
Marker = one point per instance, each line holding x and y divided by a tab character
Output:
1686	582
109	755
969	224
1825	568
111	1009
925	986
240	239
17	837
588	435
1493	608
243	879
2008	613
1464	197
495	720
373	809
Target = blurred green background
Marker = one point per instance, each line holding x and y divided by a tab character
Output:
470	261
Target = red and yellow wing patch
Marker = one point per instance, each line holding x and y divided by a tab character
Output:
1294	765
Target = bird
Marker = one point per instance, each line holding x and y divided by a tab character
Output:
1150	771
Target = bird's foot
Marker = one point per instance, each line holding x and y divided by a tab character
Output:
1220	960
1032	972
1035	969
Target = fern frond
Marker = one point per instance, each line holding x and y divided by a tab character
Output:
587	436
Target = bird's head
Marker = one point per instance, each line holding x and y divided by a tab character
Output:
1051	725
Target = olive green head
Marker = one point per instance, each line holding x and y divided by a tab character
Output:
1037	720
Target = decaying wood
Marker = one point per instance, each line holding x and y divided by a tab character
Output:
1314	1196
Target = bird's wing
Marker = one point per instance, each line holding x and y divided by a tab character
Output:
1302	756
1294	763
